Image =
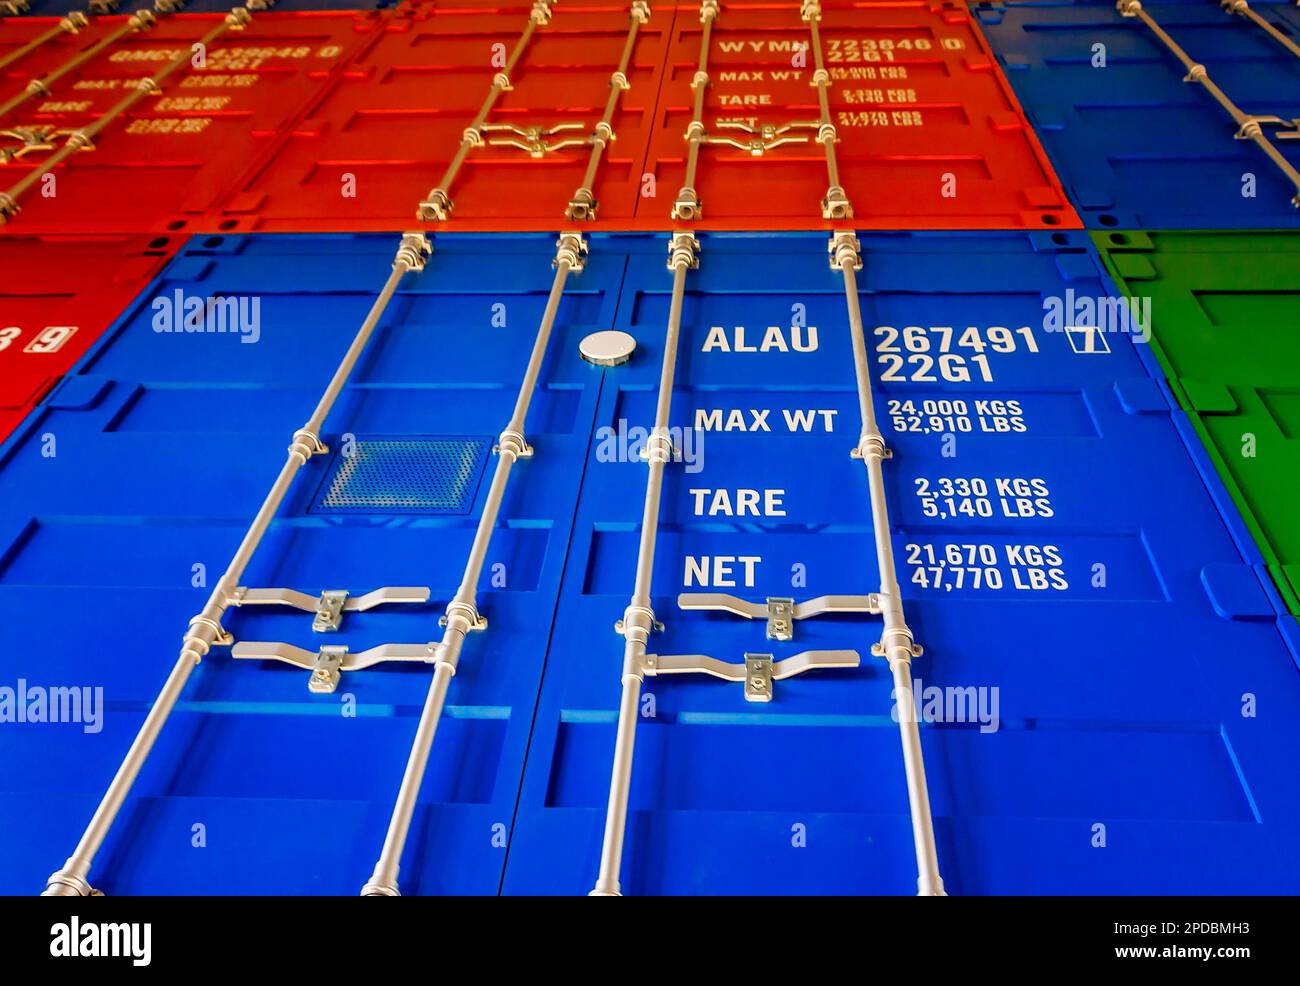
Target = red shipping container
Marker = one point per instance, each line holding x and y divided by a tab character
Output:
929	132
323	122
165	163
930	135
57	296
375	145
21	37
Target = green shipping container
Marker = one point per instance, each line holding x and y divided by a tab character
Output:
1225	315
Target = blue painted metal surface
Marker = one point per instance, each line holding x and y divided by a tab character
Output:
166	444
1134	144
1125	630
1093	592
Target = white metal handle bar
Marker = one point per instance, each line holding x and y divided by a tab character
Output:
328	663
757	672
780	613
331	604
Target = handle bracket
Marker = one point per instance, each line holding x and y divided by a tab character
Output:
758	671
779	612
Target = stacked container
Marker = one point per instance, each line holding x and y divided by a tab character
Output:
625	448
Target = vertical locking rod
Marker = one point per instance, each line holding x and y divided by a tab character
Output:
1242	7
141	20
687	206
896	643
1248	126
836	204
582	207
639	619
205	630
462	615
71	24
237	19
437	204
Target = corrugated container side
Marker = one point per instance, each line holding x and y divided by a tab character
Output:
26	9
928	133
164	162
166	443
57	295
386	132
1224	315
1094	641
1136	144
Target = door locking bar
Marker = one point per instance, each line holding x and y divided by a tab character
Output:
141	20
764	137
82	139
177	6
1248	127
1287	129
327	664
205	631
687	206
331	604
462	616
71	24
896	644
537	141
757	672
780	613
639	619
31	140
836	204
534	139
582	207
437	205
1242	8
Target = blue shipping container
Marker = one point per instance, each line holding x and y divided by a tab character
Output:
1134	142
127	492
1098	646
1092	637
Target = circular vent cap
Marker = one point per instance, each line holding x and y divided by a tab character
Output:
607	348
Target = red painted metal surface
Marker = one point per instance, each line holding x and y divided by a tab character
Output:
395	119
930	134
166	164
16	32
322	122
57	296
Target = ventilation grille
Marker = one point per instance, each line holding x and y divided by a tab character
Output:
404	476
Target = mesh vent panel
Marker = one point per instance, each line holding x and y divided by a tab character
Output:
405	476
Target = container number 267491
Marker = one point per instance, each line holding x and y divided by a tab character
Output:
921	354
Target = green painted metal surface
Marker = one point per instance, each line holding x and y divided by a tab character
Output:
1225	314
